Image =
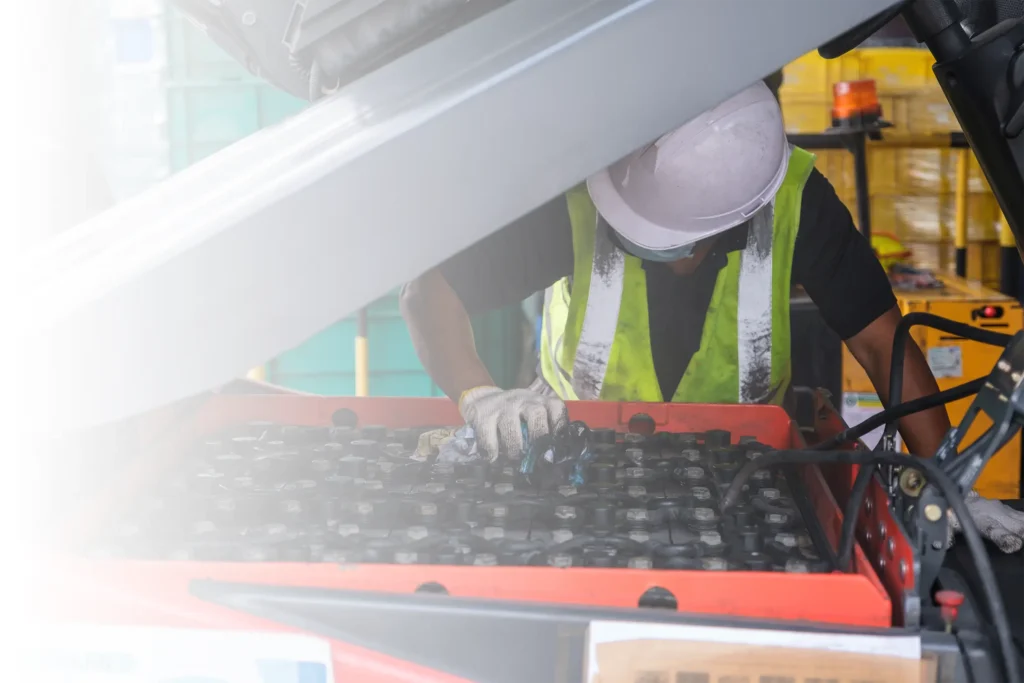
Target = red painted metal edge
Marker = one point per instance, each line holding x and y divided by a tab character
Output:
882	545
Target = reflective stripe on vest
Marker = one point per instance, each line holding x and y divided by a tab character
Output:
607	343
754	310
602	316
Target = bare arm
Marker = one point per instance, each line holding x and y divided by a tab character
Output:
872	347
442	335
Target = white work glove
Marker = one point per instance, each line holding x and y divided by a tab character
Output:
495	415
996	521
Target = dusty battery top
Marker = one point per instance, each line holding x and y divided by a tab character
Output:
589	498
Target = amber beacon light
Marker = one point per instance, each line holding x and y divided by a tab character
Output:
855	102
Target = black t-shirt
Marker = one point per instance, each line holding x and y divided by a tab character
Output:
831	260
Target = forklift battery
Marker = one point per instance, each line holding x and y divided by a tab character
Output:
263	491
330	493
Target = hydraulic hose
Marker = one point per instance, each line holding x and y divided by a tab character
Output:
948	489
900	411
899	345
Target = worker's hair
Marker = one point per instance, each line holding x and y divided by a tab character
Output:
774	82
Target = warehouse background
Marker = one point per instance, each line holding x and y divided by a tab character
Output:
163	96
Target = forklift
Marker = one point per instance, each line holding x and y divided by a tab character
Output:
420	136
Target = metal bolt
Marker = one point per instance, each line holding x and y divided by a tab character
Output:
903	570
868	536
881	531
869	505
890	547
881	563
249	18
932	512
911	482
936	545
1004	365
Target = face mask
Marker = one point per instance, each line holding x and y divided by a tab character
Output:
666	256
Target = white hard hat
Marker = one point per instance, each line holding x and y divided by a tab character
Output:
705	177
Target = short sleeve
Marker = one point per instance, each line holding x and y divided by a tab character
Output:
835	264
522	258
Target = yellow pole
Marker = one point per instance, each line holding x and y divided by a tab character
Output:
362	356
960	236
1006	238
1009	260
944	191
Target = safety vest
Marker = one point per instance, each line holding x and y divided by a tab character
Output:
596	341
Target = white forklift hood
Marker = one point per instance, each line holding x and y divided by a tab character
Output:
257	248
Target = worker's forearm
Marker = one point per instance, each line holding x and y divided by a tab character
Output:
922	431
872	347
442	335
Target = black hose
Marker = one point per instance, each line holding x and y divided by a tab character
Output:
949	490
899	347
902	410
774	458
860	484
979	555
850	514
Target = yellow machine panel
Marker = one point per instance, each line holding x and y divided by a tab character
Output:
954	361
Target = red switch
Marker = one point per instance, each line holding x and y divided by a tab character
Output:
950	602
987	312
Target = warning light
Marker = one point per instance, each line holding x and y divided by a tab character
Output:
855	100
987	312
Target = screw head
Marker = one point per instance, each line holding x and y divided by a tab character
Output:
249	18
890	547
903	570
932	512
869	505
881	531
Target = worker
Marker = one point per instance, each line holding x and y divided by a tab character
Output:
668	278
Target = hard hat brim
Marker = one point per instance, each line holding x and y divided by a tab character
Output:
650	235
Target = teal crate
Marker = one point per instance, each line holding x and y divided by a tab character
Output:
325	364
213	102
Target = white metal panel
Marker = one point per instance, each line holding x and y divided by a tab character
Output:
253	250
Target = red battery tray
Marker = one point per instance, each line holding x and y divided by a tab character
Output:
156	592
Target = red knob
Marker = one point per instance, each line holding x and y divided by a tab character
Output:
949	598
950	602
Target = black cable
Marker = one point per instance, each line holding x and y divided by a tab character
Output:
773	458
979	555
850	514
949	490
900	411
899	347
860	484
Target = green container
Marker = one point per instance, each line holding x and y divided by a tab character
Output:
213	102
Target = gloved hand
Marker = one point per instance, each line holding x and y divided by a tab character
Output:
996	521
495	415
